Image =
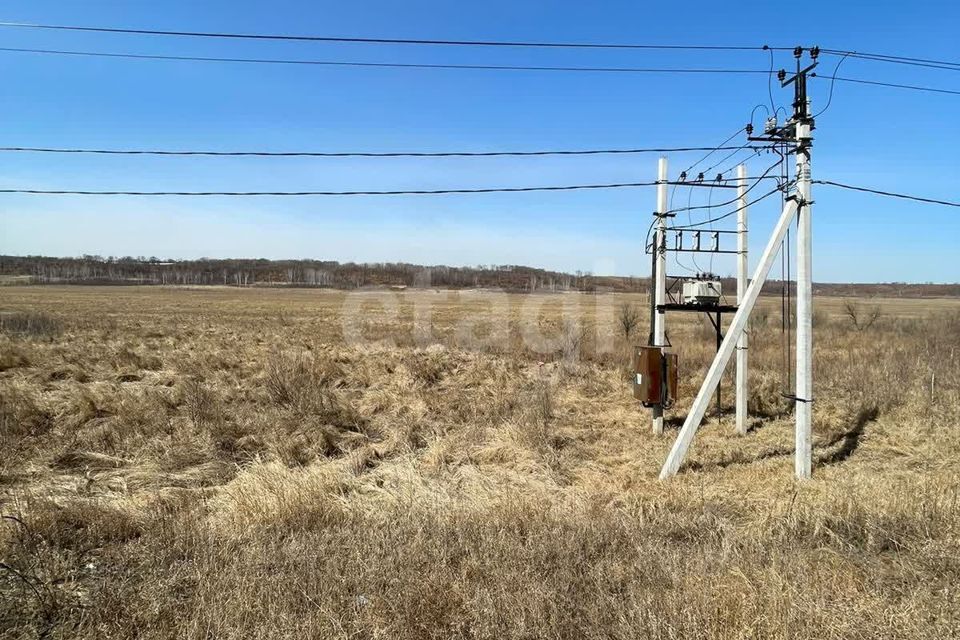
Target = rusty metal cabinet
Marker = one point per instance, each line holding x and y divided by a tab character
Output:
654	376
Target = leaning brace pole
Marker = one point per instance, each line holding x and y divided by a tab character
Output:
741	291
737	325
660	280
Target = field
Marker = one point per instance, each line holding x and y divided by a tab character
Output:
236	463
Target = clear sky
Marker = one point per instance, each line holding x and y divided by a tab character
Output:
878	137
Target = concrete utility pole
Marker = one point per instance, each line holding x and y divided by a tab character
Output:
801	124
796	131
660	280
737	325
741	292
804	392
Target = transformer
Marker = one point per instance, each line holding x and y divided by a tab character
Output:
701	291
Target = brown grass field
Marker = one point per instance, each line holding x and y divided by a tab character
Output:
234	463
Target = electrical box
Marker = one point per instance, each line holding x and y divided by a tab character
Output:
654	376
701	292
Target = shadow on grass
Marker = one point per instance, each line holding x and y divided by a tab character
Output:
850	439
848	442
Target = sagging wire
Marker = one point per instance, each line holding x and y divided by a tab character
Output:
693	256
676	254
773	106
754	112
833	81
786	316
786	303
709	201
733	201
714	150
778	189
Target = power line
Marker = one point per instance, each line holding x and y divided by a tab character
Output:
326	193
729	213
389	65
739	161
712	150
888	84
69	192
904	60
412	41
943	64
757	180
716	164
890	194
359	154
833	82
689	208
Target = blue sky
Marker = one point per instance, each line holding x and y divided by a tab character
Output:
884	138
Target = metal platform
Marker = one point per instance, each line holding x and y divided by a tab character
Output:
699	308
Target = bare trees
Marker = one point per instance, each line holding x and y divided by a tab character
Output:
861	318
628	318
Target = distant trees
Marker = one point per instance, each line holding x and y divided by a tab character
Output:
351	275
308	273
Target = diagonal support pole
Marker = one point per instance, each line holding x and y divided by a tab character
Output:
737	325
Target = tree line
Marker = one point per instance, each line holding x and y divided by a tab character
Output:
90	269
259	272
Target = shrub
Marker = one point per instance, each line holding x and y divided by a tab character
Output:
628	318
861	318
287	378
201	404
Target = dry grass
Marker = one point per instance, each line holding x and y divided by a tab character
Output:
221	463
29	324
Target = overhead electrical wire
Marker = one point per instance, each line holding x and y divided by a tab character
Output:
712	150
894	85
709	201
889	194
904	60
474	43
753	112
729	202
729	213
676	254
683	174
693	256
885	56
739	161
67	192
575	187
388	65
450	66
878	57
361	154
833	82
773	106
924	62
734	152
411	41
